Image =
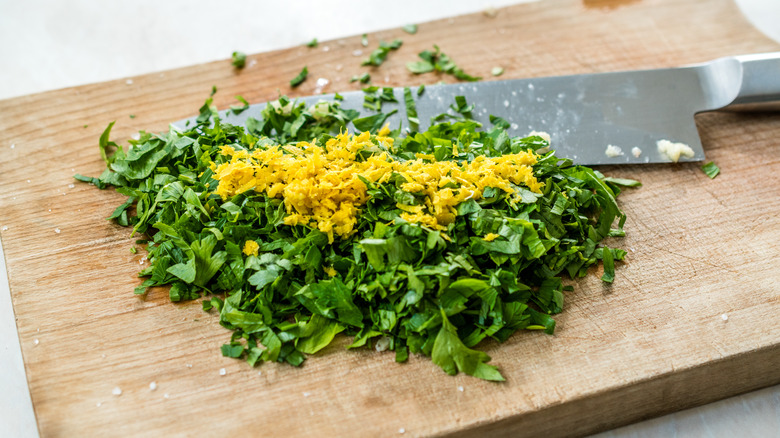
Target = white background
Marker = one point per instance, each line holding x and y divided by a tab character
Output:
50	44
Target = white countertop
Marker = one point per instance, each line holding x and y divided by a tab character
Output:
50	44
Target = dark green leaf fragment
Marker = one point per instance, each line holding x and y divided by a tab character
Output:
609	266
379	55
440	62
411	110
298	80
450	354
363	78
239	109
232	350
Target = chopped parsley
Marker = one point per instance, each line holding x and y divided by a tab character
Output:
298	80
438	61
379	55
497	71
363	79
235	109
411	29
313	43
239	59
294	230
711	170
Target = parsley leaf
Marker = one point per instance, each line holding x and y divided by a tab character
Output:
286	290
440	62
364	78
379	55
711	170
239	59
298	80
450	354
410	29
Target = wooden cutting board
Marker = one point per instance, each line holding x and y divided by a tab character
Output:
652	343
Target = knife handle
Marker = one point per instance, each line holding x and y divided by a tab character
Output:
759	86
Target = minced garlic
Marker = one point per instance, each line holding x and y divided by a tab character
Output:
673	151
322	187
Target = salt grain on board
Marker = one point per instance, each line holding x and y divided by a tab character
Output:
153	386
222	371
117	391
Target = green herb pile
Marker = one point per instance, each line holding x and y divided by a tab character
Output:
397	285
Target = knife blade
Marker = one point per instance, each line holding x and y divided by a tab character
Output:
584	114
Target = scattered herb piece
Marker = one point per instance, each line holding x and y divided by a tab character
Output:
132	116
411	110
379	55
426	274
364	40
374	96
312	43
622	181
364	78
711	170
372	123
300	78
497	71
411	29
133	250
440	62
609	265
236	110
239	59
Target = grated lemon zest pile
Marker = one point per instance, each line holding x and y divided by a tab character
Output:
491	237
321	186
251	248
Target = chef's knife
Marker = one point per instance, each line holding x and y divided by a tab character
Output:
584	114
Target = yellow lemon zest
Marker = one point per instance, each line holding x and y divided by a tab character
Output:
251	248
330	271
491	237
322	186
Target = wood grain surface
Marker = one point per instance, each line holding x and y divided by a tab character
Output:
652	343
